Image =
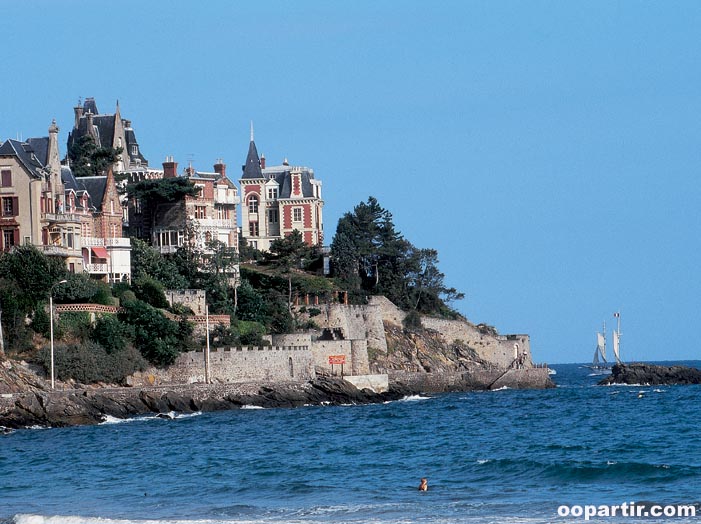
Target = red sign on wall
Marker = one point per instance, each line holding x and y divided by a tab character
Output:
337	359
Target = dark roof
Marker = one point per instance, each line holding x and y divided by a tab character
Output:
89	106
41	148
284	179
95	186
71	183
25	155
105	129
130	139
252	167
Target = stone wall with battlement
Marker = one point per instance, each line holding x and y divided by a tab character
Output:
355	322
192	298
232	365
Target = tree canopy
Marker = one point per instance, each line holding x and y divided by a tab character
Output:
371	257
87	159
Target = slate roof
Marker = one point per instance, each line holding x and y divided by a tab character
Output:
25	155
71	183
89	106
41	148
282	175
130	139
252	167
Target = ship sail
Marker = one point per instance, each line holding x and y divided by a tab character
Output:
616	346
601	346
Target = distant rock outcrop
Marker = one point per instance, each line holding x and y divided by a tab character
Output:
652	374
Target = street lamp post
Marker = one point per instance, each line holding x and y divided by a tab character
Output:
51	328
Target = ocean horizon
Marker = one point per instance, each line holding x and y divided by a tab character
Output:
507	456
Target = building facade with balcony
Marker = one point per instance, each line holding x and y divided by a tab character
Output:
211	215
278	200
44	205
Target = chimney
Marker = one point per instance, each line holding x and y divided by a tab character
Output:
78	113
220	168
262	161
170	168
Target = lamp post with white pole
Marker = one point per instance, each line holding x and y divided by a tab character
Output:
51	328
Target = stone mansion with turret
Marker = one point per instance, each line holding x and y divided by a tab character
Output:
87	221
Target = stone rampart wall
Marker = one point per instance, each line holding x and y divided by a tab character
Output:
355	322
247	364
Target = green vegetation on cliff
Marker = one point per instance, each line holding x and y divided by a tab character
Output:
369	256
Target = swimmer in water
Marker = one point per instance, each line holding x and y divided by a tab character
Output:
424	485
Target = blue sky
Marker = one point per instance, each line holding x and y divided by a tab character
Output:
548	150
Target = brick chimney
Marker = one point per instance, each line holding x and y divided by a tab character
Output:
170	168
220	168
262	161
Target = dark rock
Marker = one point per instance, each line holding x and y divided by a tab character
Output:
652	374
154	402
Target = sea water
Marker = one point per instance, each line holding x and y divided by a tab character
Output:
508	456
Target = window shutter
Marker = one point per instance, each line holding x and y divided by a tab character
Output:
15	234
15	206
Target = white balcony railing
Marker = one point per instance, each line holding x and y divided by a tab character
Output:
106	242
96	268
222	223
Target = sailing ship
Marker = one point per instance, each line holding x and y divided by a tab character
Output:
599	362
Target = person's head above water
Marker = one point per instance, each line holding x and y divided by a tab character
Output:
424	485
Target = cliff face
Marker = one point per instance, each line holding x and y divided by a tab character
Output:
424	351
17	377
442	344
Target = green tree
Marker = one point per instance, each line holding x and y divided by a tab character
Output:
155	336
112	334
251	305
32	271
146	260
286	254
87	159
371	257
154	193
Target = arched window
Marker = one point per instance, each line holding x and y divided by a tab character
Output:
253	204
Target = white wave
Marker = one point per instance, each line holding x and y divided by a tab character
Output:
109	419
251	406
503	388
413	398
77	519
659	390
483	461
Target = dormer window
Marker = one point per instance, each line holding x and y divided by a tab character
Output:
272	193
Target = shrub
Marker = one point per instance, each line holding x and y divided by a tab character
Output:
150	291
159	339
88	363
75	324
112	334
412	321
250	333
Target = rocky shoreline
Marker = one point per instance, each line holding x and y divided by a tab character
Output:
26	401
652	374
95	405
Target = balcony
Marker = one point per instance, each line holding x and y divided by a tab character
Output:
106	242
219	223
167	250
100	269
226	197
61	251
59	218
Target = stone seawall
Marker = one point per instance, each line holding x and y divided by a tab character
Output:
234	364
484	379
